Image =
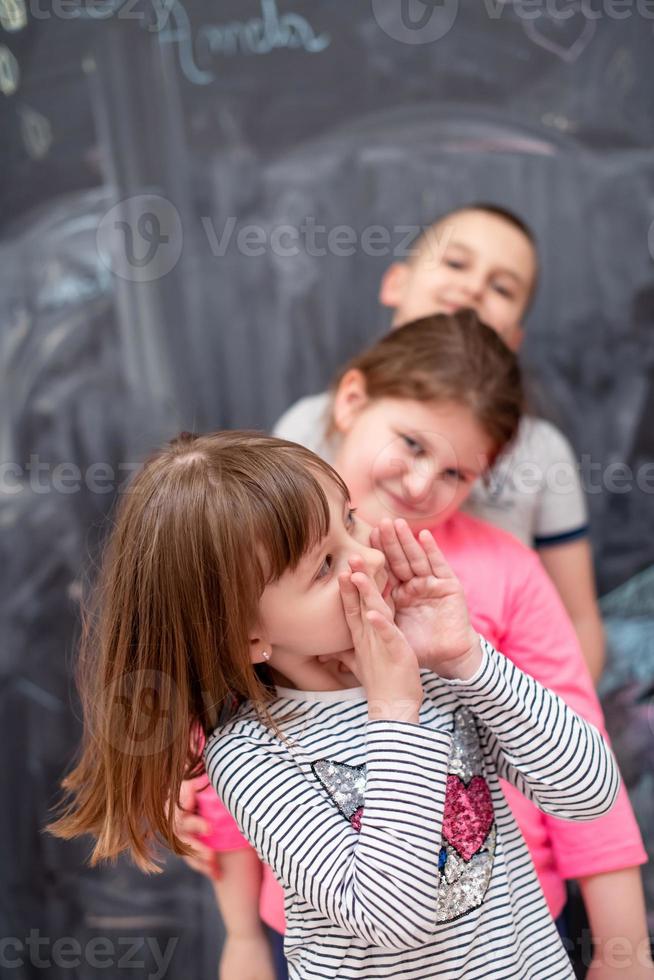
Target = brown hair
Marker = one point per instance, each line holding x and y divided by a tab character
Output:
207	522
450	357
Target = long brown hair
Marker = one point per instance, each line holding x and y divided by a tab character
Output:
447	357
207	522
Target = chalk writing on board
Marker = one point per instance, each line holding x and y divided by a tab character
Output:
9	71
566	39
256	36
36	132
13	14
565	33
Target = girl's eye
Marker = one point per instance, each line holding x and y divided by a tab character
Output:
454	263
351	519
452	474
503	291
414	446
325	567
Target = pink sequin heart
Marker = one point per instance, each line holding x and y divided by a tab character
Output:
468	814
355	819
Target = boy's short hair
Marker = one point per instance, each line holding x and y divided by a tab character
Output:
509	216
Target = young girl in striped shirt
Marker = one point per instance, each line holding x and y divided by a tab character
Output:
408	425
356	724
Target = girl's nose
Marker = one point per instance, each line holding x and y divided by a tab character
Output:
374	560
418	479
474	286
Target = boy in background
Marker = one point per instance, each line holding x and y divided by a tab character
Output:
480	257
484	257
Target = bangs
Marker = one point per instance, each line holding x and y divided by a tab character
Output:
260	506
280	507
293	517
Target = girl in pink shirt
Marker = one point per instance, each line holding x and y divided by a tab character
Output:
413	422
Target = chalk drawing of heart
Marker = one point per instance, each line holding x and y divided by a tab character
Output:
566	38
468	814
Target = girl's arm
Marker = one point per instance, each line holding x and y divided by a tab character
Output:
541	640
555	758
616	912
381	884
348	876
377	879
570	566
237	891
191	826
246	954
560	535
223	855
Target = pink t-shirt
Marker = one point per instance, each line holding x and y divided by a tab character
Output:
514	604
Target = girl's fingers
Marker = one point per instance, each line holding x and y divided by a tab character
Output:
388	633
405	555
349	661
386	628
370	595
351	606
393	550
435	556
189	823
428	587
375	539
413	550
349	596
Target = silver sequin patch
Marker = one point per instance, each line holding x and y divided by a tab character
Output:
464	883
345	784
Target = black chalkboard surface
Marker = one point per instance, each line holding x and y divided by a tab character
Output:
265	143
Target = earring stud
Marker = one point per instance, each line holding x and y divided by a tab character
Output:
265	655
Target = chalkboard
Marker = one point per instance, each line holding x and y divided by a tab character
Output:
263	142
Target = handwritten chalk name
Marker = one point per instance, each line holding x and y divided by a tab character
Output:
256	36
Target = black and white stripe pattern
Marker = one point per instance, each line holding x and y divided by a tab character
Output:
364	904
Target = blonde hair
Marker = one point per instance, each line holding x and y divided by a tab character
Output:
207	522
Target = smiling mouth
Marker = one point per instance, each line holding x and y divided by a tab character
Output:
450	306
403	506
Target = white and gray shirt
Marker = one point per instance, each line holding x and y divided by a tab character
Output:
533	490
395	846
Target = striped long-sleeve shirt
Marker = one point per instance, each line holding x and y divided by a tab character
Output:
396	849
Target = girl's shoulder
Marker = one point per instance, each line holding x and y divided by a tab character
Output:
286	722
497	571
464	534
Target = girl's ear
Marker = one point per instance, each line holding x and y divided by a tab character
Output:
514	336
350	398
260	649
393	284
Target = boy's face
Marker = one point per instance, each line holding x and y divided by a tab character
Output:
470	259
